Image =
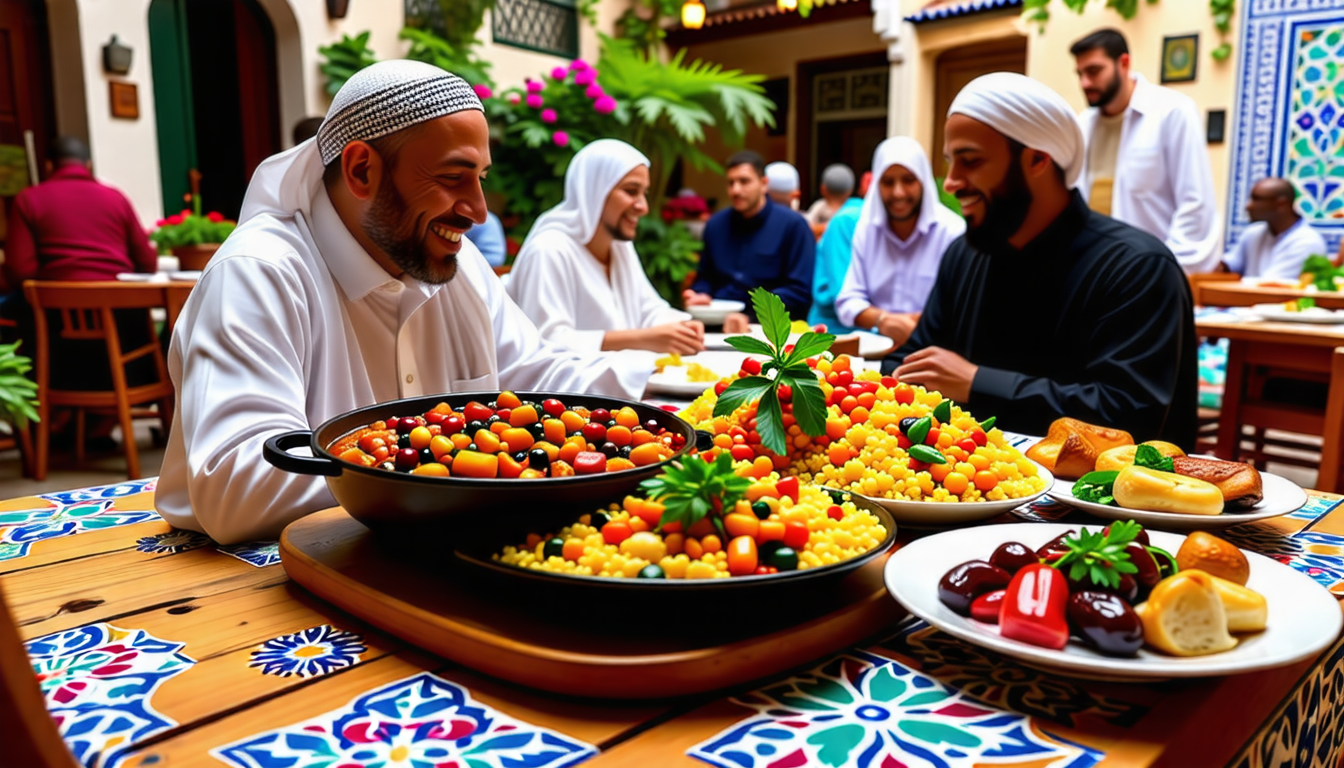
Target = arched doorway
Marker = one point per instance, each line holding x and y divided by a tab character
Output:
216	96
25	85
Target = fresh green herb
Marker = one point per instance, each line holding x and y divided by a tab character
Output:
920	430
1096	487
1150	457
790	370
988	424
943	411
693	488
1306	302
1322	272
927	455
1100	557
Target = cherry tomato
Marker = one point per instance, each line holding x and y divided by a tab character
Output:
785	393
967	444
454	424
407	458
751	366
434	417
552	407
932	438
845	378
616	531
979	436
904	394
600	415
718	388
742	452
590	463
594	432
889	382
835	512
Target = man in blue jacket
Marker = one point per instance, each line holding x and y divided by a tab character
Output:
755	243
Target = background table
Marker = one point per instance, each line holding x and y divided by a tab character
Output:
1238	294
160	647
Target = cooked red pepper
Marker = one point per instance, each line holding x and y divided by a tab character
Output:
788	487
987	606
1035	607
590	463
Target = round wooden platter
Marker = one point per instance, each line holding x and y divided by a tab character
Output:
576	643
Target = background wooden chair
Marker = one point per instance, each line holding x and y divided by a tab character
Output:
87	312
1200	278
31	738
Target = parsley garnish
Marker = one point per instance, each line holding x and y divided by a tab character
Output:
1096	487
790	369
1101	557
693	488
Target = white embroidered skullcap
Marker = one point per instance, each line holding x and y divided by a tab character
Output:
1028	112
781	177
387	97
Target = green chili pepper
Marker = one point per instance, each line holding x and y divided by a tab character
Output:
988	424
943	412
919	430
927	455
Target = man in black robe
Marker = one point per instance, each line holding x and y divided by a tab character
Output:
1044	308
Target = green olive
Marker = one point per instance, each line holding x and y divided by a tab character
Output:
554	548
651	572
760	509
784	558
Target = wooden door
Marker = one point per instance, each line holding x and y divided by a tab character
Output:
956	67
24	81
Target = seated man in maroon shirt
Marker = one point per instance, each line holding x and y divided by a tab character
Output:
71	227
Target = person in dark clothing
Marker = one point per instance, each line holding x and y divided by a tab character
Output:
756	243
1045	308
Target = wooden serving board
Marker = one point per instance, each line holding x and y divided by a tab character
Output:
577	643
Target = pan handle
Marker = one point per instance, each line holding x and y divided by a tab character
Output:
276	451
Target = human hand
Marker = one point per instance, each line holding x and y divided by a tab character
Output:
898	326
696	326
683	338
940	370
694	299
736	322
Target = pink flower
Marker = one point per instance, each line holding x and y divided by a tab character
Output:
160	222
175	219
594	91
535	86
559	73
482	90
549	116
515	99
185	213
560	138
535	101
578	65
583	78
215	216
604	105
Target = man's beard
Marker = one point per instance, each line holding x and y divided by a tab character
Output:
913	214
1006	208
388	227
1108	95
617	236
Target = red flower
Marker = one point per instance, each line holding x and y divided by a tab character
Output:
511	246
175	219
185	213
215	216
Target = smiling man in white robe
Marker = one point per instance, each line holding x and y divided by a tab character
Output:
348	282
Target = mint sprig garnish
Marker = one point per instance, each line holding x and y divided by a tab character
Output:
790	369
693	488
1101	557
1150	457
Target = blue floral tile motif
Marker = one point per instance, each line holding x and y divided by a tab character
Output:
258	553
1309	730
172	542
100	492
19	530
868	711
1315	508
98	681
1318	555
422	721
312	652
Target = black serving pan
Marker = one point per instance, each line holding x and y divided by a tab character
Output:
476	555
381	499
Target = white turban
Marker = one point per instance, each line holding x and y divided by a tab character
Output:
1028	112
593	173
781	177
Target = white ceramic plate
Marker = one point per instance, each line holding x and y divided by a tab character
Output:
870	344
715	311
1316	315
941	514
672	381
1304	618
142	277
191	275
1282	496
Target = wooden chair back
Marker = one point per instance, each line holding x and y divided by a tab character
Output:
32	739
1200	278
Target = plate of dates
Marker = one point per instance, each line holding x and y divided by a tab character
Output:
1119	603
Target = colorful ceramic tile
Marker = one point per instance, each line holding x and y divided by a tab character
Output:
421	721
98	682
1315	508
1001	682
312	652
19	530
1309	731
172	542
258	553
869	711
100	492
1318	555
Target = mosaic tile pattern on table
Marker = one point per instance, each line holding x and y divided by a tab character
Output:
67	513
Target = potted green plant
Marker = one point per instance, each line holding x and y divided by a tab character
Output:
18	393
191	236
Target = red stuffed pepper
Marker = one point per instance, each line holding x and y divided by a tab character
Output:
1034	610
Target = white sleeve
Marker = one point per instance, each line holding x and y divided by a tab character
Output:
1236	258
1193	236
545	288
239	363
653	308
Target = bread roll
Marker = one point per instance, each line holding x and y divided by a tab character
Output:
1122	456
1149	489
1240	484
1071	447
1246	609
1206	552
1184	616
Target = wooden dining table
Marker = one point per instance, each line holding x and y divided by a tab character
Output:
158	647
1241	294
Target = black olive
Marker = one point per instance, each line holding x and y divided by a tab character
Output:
492	405
474	426
653	426
520	457
471	447
537	458
492	421
534	405
1012	556
404	441
651	572
760	509
960	586
427	456
1105	622
766	550
1052	550
784	558
703	440
598	519
536	429
1149	574
610	423
554	548
609	450
907	423
625	452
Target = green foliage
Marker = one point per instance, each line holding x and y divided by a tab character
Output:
18	393
669	252
460	59
694	488
642	22
462	19
191	227
1038	12
344	58
1223	12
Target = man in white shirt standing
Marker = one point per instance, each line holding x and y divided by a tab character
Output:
348	282
1146	163
1278	240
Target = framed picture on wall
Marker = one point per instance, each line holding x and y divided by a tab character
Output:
1180	54
125	100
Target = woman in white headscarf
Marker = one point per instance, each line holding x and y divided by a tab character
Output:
578	276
